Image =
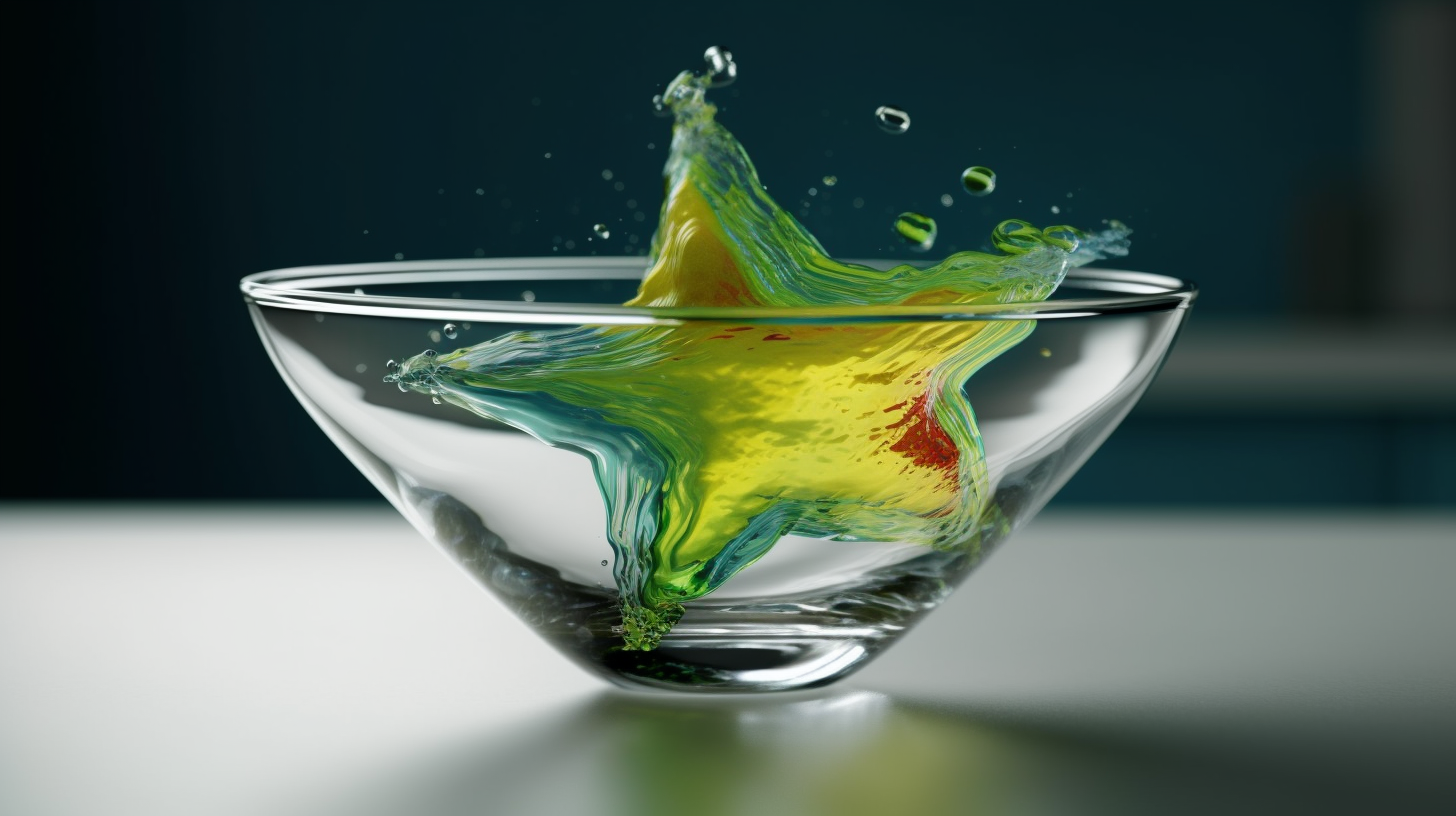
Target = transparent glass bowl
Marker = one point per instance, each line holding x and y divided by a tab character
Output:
527	520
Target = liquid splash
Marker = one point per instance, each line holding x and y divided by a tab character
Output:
712	439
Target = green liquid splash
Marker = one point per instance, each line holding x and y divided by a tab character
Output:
712	439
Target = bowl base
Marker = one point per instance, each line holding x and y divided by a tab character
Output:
736	663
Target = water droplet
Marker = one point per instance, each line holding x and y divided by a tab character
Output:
450	331
528	296
392	365
604	562
1067	238
429	352
1046	352
361	368
435	400
946	200
722	70
601	231
978	180
434	335
892	120
916	229
1015	237
830	181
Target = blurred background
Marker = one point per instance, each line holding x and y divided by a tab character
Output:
1294	159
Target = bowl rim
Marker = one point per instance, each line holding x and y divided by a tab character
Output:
300	288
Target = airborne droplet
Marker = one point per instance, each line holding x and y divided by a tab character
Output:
450	331
978	180
722	70
917	230
892	120
601	231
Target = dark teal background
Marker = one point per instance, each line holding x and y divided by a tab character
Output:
163	150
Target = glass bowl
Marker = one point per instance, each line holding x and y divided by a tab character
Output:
529	521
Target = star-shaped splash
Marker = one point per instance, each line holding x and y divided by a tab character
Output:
713	438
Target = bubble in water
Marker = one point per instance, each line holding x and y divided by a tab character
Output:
435	400
1056	210
604	562
434	335
917	230
659	106
429	352
392	365
978	180
946	200
318	318
830	181
1015	237
528	296
451	332
402	386
892	120
601	231
722	70
1064	237
361	368
1046	352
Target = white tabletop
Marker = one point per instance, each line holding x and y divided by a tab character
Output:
265	660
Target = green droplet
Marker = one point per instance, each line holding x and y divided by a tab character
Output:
916	229
978	180
1068	238
1015	237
